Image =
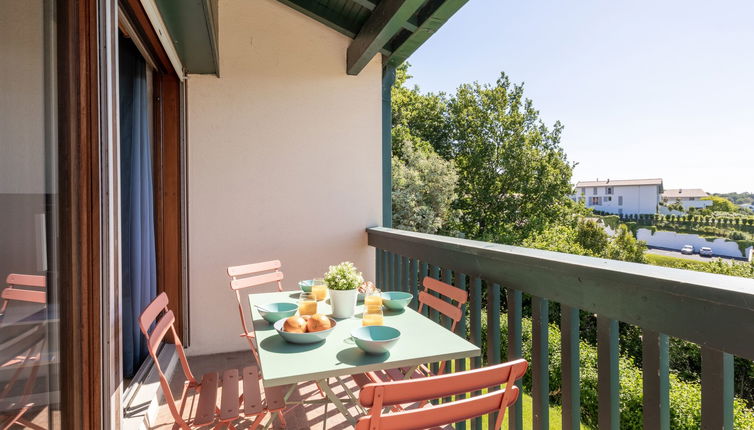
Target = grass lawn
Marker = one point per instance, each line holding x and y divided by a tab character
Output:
667	261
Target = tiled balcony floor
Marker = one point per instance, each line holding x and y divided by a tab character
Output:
297	417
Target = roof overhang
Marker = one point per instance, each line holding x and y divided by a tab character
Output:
395	28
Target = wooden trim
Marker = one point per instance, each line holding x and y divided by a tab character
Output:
168	192
79	246
167	162
140	21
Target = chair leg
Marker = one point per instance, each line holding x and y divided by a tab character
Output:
257	420
282	419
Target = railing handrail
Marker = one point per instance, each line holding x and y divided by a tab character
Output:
716	311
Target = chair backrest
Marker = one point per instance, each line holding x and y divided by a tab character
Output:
381	395
33	290
155	322
451	311
253	275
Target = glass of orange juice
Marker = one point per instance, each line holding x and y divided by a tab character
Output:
319	289
373	316
373	298
307	304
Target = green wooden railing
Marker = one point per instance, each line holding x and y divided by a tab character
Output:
714	311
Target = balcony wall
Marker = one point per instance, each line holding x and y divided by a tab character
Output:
284	160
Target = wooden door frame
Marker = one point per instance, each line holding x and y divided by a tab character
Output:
168	162
88	201
80	198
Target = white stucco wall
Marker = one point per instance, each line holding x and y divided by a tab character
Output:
675	241
284	160
22	116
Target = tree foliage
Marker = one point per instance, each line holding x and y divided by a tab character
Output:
423	190
588	237
721	204
514	178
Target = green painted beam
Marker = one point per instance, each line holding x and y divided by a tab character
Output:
384	22
655	298
427	27
409	25
314	9
388	79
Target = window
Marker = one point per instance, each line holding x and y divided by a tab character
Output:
608	199
595	201
609	190
594	191
30	260
583	191
620	200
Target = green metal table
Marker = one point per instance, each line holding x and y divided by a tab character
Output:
422	341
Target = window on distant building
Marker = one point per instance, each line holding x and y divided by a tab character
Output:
594	191
608	199
620	200
595	201
583	191
692	198
609	190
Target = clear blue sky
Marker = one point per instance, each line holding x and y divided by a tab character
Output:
644	88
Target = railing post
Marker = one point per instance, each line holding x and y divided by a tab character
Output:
516	417
414	283
656	380
493	336
607	374
460	364
391	271
540	363
378	266
400	278
717	389
475	321
569	357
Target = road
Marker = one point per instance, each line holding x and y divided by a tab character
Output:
678	254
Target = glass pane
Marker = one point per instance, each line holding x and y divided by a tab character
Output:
29	363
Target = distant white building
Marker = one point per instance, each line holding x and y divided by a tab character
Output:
689	197
621	197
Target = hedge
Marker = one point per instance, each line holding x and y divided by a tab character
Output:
685	397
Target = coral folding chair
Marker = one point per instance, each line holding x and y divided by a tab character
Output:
233	404
447	309
380	396
23	288
249	276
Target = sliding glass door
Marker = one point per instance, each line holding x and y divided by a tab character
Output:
29	211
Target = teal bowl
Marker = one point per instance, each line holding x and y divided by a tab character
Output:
303	338
273	312
375	339
396	300
306	286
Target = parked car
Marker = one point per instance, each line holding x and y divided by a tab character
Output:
687	249
705	251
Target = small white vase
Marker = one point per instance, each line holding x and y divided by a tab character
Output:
343	303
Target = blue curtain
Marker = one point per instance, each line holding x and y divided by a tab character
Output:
139	282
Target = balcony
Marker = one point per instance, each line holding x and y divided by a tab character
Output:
710	310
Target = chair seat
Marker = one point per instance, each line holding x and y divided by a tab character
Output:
231	400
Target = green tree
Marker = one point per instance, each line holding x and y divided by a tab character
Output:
624	246
721	204
514	177
423	190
